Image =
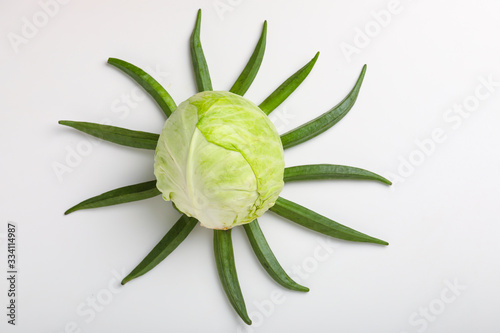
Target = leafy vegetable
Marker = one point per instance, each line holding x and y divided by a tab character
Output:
220	160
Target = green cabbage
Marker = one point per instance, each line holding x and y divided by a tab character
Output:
219	159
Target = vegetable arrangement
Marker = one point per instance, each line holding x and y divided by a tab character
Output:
219	159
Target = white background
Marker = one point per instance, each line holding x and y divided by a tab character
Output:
441	217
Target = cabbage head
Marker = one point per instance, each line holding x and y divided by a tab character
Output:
220	160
